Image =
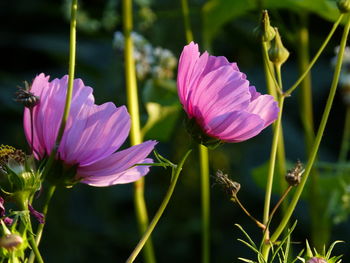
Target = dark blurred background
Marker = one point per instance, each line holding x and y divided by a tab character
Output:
87	224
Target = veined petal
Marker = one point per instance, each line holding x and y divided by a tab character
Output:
187	61
222	90
236	126
128	176
97	132
116	164
266	107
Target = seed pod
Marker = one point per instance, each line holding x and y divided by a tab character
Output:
265	31
343	6
278	54
293	176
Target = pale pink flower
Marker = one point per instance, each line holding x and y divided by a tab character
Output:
220	99
92	135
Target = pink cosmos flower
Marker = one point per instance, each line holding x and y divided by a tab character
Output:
92	134
218	97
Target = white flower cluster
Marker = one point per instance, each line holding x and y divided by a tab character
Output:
153	62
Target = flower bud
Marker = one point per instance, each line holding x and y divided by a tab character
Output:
278	54
316	260
18	177
293	176
265	31
11	241
343	6
24	96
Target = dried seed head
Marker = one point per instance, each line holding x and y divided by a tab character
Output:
231	187
24	96
293	176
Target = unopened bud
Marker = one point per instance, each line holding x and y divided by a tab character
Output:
24	96
11	241
278	54
316	260
293	176
265	31
343	6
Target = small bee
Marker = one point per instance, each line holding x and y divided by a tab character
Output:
293	176
24	96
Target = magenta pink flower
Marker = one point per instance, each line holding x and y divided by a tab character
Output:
92	135
218	97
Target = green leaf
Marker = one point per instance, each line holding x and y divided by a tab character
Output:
163	108
217	13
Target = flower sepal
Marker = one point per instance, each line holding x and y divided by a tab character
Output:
199	136
62	174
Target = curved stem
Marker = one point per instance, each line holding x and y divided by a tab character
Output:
316	144
135	132
324	44
160	211
205	185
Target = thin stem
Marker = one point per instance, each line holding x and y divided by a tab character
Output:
204	163
187	23
257	222
284	195
71	69
272	162
135	132
35	249
317	142
39	231
272	85
324	44
205	184
159	213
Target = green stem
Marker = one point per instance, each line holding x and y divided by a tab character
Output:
187	23
71	69
316	144
160	211
324	44
272	87
273	154
35	249
204	163
135	131
39	231
205	184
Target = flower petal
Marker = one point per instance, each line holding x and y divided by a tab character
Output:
112	168
96	133
266	107
236	126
